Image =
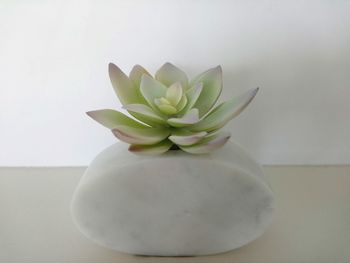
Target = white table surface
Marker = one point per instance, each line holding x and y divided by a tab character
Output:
312	221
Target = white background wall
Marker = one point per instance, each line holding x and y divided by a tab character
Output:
54	56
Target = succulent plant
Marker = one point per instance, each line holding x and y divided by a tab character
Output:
170	112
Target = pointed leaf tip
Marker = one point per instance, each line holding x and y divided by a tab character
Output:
136	74
218	68
169	74
125	89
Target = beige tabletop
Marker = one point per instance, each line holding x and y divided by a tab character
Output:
312	221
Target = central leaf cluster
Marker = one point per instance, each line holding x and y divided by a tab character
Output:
174	100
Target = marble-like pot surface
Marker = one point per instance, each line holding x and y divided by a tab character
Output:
175	204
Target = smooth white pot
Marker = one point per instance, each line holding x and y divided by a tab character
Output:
175	204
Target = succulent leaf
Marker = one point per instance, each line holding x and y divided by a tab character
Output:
142	136
225	112
136	74
189	118
169	74
187	138
193	95
111	118
165	108
208	144
125	89
174	93
145	113
152	89
158	148
182	104
212	86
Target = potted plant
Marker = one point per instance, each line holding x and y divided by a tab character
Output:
181	188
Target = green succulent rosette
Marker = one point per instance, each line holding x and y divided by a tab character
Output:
169	111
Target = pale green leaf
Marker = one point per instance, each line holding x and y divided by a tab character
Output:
155	149
161	101
210	143
136	74
182	104
187	138
145	113
169	74
142	136
125	89
189	118
166	108
224	112
193	94
152	89
174	93
212	86
111	118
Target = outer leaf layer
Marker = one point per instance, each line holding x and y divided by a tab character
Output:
158	148
143	136
111	118
187	139
208	144
224	112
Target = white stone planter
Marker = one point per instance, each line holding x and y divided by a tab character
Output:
175	204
